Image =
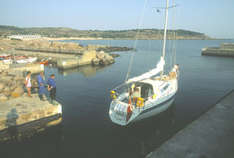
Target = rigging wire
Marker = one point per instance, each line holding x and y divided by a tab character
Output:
136	41
174	35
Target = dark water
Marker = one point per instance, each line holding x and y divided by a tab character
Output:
86	130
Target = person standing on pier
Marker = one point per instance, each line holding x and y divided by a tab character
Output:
52	88
28	84
41	83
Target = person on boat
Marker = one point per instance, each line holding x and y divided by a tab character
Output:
52	88
136	94
41	84
129	109
28	84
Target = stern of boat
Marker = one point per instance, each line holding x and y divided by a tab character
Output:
119	114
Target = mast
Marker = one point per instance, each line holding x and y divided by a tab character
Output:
165	32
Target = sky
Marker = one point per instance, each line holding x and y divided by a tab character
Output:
212	17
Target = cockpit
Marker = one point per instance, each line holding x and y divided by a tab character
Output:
138	91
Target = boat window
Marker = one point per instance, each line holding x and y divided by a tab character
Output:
146	91
165	87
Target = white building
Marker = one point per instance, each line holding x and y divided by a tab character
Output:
24	37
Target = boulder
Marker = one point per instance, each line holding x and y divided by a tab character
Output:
20	82
2	86
109	58
92	47
96	61
13	85
3	98
87	57
106	60
100	55
19	91
4	73
71	46
5	79
7	91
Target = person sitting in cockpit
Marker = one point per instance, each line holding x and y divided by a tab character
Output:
136	94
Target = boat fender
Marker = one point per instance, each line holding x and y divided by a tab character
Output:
154	96
140	102
113	94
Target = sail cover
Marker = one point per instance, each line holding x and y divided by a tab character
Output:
150	73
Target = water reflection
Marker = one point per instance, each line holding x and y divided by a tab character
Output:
151	133
140	138
87	71
40	142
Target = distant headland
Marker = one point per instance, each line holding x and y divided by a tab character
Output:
69	33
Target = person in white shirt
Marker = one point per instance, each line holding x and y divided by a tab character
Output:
28	84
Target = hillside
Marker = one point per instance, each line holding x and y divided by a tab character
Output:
113	34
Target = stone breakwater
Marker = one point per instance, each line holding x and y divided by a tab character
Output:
12	85
63	54
225	49
89	57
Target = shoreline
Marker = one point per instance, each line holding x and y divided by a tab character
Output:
89	38
69	38
100	38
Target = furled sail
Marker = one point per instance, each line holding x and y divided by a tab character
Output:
150	73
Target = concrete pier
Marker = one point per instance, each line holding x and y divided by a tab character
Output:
225	50
25	110
210	136
20	68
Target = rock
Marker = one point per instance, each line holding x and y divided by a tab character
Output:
3	98
93	47
87	57
19	91
4	73
2	86
7	91
100	55
105	58
114	49
19	78
13	85
20	82
5	79
108	57
71	46
96	61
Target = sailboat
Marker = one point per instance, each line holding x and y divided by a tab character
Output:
146	95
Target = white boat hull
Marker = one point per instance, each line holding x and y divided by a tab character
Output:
155	110
28	60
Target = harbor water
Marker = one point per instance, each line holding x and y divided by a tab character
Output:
87	131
